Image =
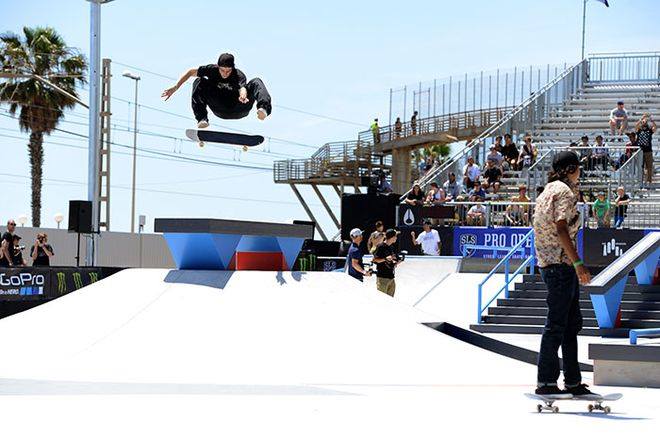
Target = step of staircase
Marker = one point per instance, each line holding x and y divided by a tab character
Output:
537	330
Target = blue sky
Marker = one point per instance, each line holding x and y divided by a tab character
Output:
334	58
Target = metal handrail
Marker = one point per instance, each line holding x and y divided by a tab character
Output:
507	279
437	170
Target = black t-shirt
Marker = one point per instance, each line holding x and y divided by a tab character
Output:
17	257
620	210
412	196
493	174
386	268
645	138
42	259
9	237
510	151
227	88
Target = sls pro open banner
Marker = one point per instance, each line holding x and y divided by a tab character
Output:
493	238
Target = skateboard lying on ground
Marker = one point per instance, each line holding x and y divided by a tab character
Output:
597	405
221	137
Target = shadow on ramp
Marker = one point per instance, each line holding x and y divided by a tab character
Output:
493	345
210	278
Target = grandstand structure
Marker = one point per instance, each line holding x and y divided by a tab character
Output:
575	101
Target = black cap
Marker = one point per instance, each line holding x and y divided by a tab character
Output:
428	222
563	160
226	60
390	233
619	103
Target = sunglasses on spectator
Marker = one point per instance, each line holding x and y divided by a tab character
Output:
12	224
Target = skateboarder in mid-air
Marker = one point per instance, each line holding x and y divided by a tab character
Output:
224	89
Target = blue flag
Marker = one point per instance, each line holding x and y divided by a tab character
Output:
604	2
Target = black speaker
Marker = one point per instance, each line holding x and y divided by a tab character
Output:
80	216
364	210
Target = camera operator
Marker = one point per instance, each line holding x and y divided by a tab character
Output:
354	258
17	252
386	260
41	252
6	245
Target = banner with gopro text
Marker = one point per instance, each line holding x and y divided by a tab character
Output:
47	282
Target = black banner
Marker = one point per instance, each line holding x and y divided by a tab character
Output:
406	244
25	283
415	215
604	245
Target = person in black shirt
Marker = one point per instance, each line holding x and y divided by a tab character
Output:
621	206
493	175
224	89
41	252
7	245
416	196
17	252
510	152
645	129
386	260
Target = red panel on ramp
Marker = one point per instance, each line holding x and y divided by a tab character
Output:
259	261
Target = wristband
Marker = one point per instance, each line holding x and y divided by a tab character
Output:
578	263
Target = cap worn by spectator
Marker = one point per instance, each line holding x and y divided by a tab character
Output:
619	103
356	232
428	222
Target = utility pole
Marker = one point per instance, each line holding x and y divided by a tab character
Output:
584	22
135	78
105	145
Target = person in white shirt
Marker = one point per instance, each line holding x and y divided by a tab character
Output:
429	239
618	119
471	173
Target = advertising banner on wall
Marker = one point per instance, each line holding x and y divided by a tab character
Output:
604	245
405	242
493	238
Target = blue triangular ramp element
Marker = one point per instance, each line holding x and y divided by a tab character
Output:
257	243
646	269
290	247
606	306
193	251
225	245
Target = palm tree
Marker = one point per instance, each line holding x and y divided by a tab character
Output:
27	64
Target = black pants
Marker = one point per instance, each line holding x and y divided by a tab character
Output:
562	325
205	94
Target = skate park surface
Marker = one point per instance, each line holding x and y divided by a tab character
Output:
151	353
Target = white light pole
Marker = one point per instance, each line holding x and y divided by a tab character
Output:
136	78
94	146
58	219
22	219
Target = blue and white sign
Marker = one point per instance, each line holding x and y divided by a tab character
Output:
498	240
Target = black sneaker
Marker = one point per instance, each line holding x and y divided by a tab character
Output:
582	391
553	392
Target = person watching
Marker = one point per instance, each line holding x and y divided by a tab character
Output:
471	173
453	189
435	196
17	252
601	210
354	257
495	156
476	215
493	174
621	206
41	252
376	237
510	152
527	154
7	245
618	119
645	128
429	239
415	197
477	194
386	261
601	153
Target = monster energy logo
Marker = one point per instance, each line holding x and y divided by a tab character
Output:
77	280
307	263
61	283
93	277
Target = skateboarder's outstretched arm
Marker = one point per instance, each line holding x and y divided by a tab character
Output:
170	91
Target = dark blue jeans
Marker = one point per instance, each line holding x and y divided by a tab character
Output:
562	324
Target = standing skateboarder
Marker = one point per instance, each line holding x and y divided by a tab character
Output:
224	89
556	221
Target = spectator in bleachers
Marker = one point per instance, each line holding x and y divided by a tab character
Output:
384	186
398	126
584	153
528	154
645	128
453	188
493	174
600	154
375	130
476	215
416	196
621	206
498	144
41	252
429	239
471	173
510	153
413	123
7	245
477	194
618	119
517	213
631	147
355	266
17	252
495	156
601	210
376	237
435	195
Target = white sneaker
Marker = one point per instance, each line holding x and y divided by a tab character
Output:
203	124
261	114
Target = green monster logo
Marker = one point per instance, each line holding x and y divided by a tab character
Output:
307	263
77	280
93	277
61	283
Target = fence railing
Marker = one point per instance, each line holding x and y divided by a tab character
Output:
622	67
520	120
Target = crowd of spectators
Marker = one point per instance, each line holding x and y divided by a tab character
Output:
11	249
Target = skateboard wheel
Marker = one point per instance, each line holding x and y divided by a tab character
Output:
245	148
201	144
539	408
607	409
590	407
555	409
